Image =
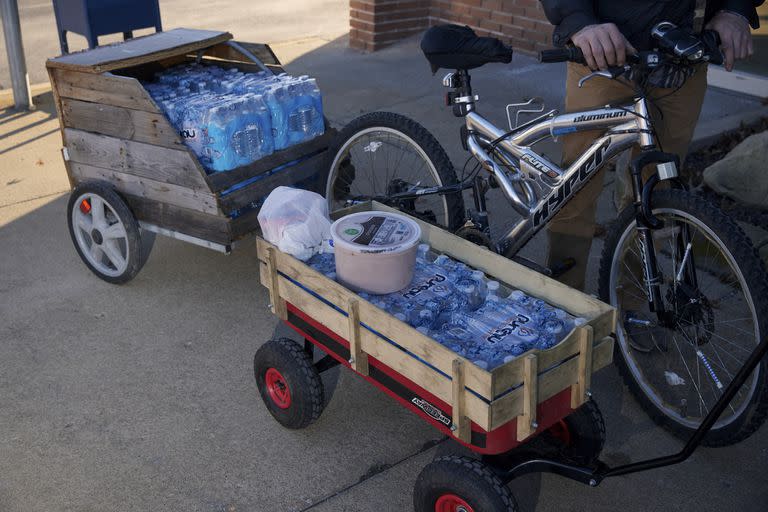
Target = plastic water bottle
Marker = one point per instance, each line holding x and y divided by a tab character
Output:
469	295
422	254
324	263
457	339
424	317
275	96
252	139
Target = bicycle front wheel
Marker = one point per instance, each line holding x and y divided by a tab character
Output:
679	366
381	154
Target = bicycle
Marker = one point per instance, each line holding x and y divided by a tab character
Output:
673	264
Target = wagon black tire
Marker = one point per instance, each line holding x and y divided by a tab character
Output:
288	383
580	436
453	482
746	258
342	173
105	233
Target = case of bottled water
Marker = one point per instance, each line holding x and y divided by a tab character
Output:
463	310
229	118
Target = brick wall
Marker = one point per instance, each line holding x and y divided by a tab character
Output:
375	24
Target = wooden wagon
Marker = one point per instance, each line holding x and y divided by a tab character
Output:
131	174
489	411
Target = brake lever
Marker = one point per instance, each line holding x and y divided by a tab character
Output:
612	72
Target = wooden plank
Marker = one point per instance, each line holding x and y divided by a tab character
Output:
403	334
526	422
277	303
176	195
549	384
511	374
246	224
221	181
178	167
405	364
106	88
293	176
189	222
124	123
461	426
357	358
579	390
57	103
139	50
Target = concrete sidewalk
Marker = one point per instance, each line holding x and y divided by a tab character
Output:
141	397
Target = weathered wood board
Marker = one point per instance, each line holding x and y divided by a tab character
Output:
177	167
123	123
139	50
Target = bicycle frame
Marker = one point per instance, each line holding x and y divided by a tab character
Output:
538	188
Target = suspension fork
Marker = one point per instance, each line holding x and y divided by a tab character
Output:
667	165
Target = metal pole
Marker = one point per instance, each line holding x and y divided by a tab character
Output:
18	66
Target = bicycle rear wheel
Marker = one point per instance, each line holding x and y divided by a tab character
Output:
679	367
382	153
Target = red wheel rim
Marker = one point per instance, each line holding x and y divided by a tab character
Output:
277	388
452	503
561	432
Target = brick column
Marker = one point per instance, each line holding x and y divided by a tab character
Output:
520	23
375	24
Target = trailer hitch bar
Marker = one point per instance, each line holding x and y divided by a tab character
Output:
595	475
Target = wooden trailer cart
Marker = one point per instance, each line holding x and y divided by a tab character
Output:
131	174
490	412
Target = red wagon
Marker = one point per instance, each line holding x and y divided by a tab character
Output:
490	412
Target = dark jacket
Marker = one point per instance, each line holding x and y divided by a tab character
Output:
635	18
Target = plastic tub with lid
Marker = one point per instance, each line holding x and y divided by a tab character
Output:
375	251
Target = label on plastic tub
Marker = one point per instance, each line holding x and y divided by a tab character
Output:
379	232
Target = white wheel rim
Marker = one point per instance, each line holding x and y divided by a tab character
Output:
398	133
100	235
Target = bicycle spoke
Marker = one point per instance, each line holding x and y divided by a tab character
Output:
698	392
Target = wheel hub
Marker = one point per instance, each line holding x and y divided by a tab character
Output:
277	388
452	503
692	309
97	237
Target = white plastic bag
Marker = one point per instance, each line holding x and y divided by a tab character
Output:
296	221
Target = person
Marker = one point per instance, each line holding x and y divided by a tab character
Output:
607	31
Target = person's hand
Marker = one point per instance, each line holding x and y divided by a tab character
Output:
735	38
602	45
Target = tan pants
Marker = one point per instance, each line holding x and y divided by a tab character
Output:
571	231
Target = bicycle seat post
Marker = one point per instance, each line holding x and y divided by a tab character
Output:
460	98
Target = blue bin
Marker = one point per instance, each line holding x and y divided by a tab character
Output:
94	18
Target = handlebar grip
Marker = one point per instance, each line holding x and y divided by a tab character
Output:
572	54
711	40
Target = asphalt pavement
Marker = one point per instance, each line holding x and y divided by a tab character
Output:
141	396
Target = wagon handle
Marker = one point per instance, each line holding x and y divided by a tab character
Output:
594	476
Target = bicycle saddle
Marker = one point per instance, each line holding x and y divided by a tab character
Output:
457	47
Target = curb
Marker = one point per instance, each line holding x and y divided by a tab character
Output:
708	132
6	95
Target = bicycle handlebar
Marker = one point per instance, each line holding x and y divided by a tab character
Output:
570	54
676	46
